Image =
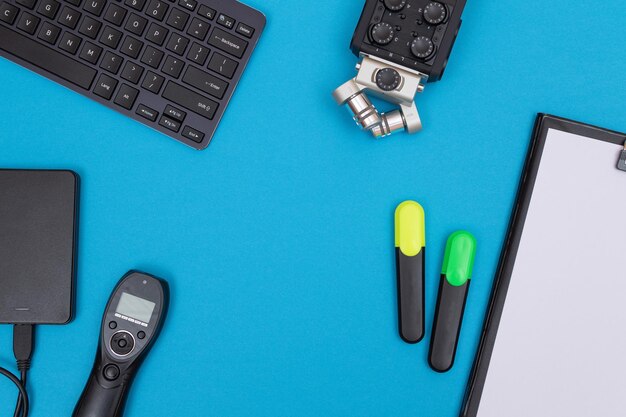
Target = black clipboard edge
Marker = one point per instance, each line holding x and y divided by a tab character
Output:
506	263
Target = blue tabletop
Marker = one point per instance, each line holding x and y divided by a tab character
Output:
277	240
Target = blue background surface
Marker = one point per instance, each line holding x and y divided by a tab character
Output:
278	239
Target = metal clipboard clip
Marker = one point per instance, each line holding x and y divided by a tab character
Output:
621	164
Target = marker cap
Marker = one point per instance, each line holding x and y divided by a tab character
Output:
458	260
410	228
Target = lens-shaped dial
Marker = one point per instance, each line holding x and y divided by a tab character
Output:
395	5
388	79
435	13
382	33
422	47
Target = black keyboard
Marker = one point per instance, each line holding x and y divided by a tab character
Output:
170	64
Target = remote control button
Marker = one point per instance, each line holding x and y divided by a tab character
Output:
422	47
141	334
395	5
111	372
388	79
122	343
382	33
435	13
112	325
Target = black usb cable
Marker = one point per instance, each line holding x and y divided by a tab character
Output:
23	343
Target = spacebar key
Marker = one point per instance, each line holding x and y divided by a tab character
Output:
46	58
190	100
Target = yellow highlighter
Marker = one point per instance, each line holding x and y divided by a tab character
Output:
410	260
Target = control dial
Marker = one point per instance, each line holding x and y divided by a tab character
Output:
388	79
422	47
395	5
435	13
122	343
382	33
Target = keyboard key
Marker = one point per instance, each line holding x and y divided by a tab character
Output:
193	134
152	57
170	124
136	24
153	82
75	2
8	13
136	4
132	72
173	66
115	14
173	113
188	4
69	17
105	87
157	9
111	62
207	12
131	47
190	100
28	23
69	43
30	4
90	53
90	27
205	82
244	30
177	44
49	33
198	29
126	96
223	65
48	8
46	58
177	19
198	54
94	6
228	43
111	37
157	34
226	21
147	112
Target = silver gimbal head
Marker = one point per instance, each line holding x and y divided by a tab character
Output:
390	82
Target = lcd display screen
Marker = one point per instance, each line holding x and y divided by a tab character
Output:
135	307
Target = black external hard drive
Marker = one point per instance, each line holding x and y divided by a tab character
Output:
38	231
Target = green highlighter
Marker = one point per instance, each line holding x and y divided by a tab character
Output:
453	288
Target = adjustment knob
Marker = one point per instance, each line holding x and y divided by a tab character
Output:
388	79
435	13
422	47
395	5
382	33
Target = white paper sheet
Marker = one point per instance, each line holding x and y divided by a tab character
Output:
561	344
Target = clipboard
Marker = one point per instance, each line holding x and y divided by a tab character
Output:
544	352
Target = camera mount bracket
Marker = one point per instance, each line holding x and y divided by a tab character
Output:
387	81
